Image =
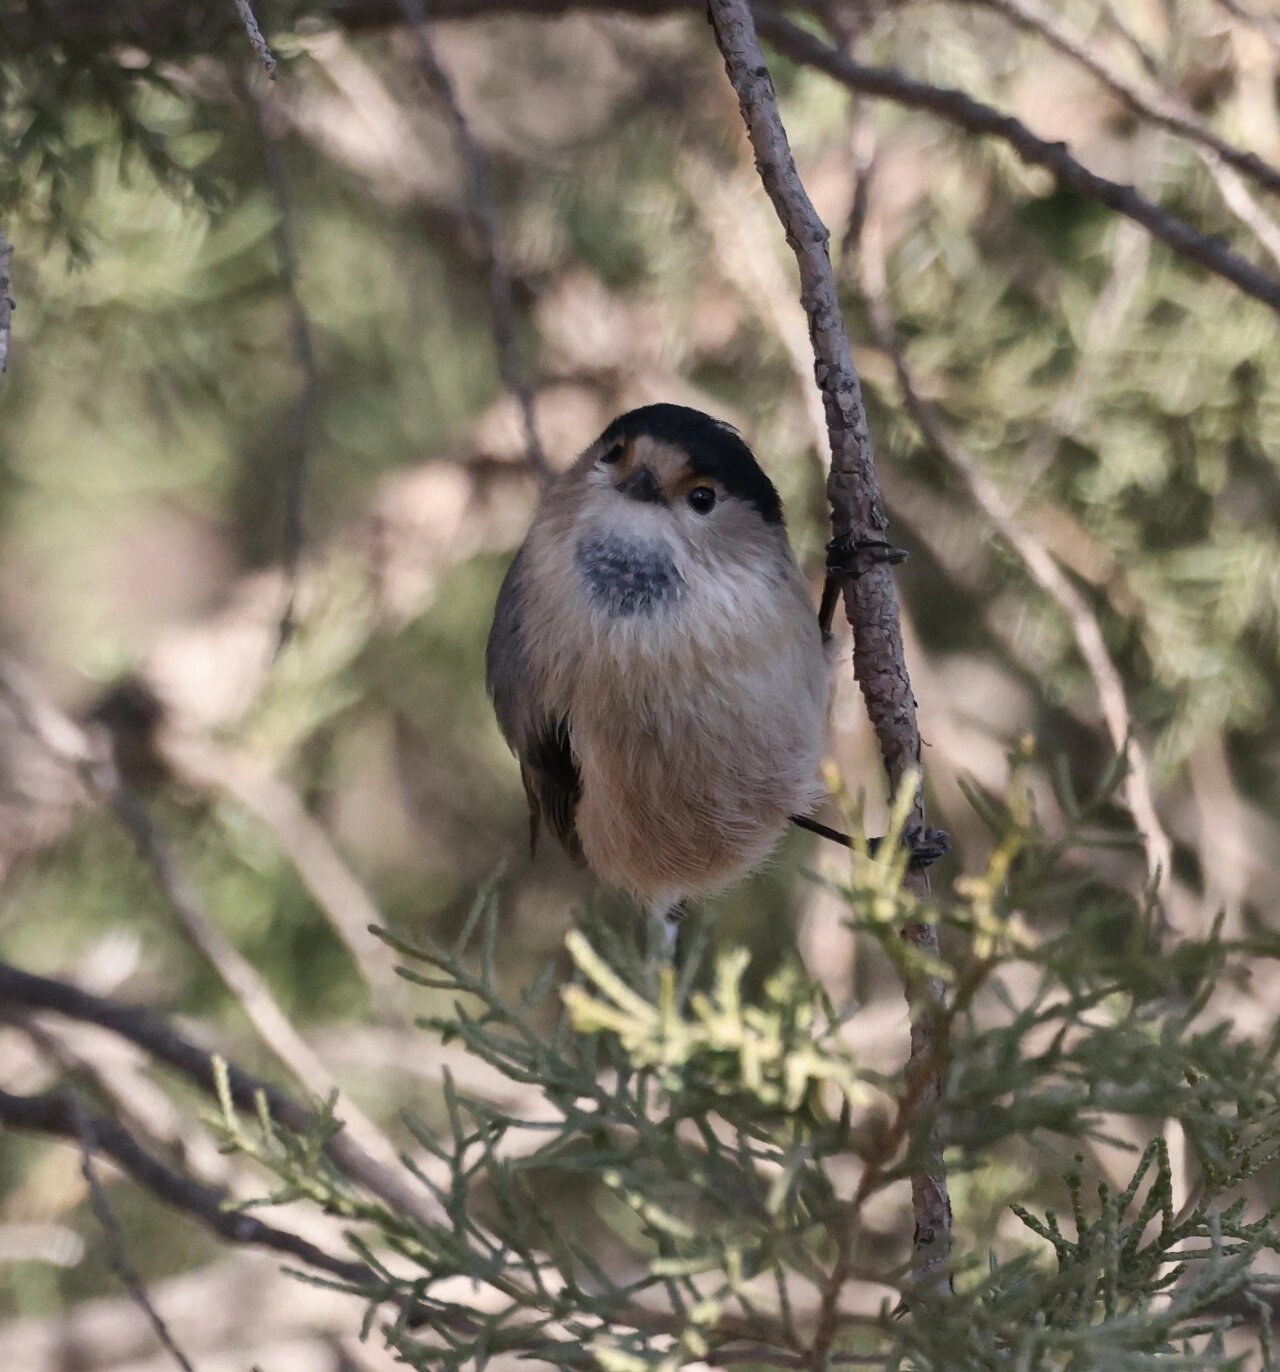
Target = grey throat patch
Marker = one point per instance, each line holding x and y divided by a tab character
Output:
627	578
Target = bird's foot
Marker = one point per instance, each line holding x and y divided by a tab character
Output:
927	845
848	555
664	934
671	923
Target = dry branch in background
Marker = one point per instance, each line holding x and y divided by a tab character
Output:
304	353
870	602
1159	106
479	194
60	1114
302	838
1040	565
86	1128
962	110
24	991
101	777
6	302
954	106
1222	160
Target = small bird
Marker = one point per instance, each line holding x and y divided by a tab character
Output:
656	665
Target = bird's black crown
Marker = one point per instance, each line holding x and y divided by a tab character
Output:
714	450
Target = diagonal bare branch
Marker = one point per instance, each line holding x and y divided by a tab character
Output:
304	840
1160	106
86	1132
1222	160
6	302
1040	565
23	990
101	777
480	205
962	110
60	1113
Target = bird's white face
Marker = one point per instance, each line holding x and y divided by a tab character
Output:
656	525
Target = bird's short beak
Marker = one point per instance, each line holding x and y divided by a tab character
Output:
640	485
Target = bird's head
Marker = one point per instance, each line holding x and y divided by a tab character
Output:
672	497
689	474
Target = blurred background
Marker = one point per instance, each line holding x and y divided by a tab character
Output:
229	289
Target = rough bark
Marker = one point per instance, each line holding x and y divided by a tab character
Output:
857	511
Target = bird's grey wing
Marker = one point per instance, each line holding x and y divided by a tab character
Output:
538	737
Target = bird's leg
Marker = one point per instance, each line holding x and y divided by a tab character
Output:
671	923
927	845
664	931
848	556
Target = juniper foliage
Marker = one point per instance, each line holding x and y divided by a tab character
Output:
735	1145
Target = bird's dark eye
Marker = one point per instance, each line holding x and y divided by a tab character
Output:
609	457
703	499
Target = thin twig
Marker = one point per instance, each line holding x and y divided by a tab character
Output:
60	1113
1039	563
1237	197
237	973
974	117
1264	23
1222	160
258	42
1159	106
320	867
480	206
870	603
6	302
302	342
273	1026
158	1038
117	1257
1140	50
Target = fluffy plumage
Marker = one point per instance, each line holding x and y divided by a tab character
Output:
655	662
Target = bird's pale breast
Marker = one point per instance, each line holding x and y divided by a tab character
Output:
697	717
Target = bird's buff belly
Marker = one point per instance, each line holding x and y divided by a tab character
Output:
665	818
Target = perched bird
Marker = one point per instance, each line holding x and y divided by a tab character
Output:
656	664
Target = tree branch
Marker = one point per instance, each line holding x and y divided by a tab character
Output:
87	1133
155	1036
1158	106
60	1114
1040	565
166	28
974	117
6	302
1222	160
480	205
857	511
102	777
321	868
